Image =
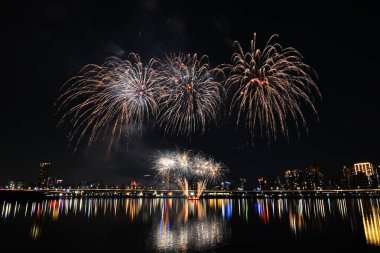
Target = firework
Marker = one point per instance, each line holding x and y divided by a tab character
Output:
269	87
111	99
192	95
187	170
184	185
206	172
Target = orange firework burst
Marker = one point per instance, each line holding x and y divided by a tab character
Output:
269	87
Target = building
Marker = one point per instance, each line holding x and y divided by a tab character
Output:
44	174
346	176
13	185
365	167
263	183
333	184
226	185
59	183
361	180
96	184
363	175
243	183
133	185
376	177
84	185
52	182
313	178
277	185
293	179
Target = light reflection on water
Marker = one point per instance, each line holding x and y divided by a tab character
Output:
180	225
190	229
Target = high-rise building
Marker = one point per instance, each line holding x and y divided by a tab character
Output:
346	174
363	175
293	179
85	185
59	183
361	180
243	182
263	183
44	175
11	184
376	177
14	185
313	178
365	167
96	184
277	183
226	185
52	182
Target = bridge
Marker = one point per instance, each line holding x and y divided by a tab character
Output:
214	193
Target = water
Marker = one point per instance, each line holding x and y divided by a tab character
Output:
180	225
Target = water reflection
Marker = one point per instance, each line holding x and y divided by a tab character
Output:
189	228
180	225
371	222
35	231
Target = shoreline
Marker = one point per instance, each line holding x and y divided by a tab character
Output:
143	194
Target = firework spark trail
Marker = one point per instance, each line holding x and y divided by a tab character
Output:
201	186
112	98
184	95
192	95
207	171
187	169
269	87
184	185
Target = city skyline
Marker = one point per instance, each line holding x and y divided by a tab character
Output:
360	175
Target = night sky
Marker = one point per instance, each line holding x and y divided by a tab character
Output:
45	43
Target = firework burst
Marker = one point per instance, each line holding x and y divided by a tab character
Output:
187	169
269	87
110	99
192	95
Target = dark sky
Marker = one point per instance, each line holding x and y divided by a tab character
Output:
44	43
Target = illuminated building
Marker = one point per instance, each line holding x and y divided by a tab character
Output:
363	175
365	167
346	177
52	182
11	184
133	185
226	185
263	183
243	181
277	183
269	183
59	183
376	178
313	178
293	179
44	175
84	185
166	181
97	184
